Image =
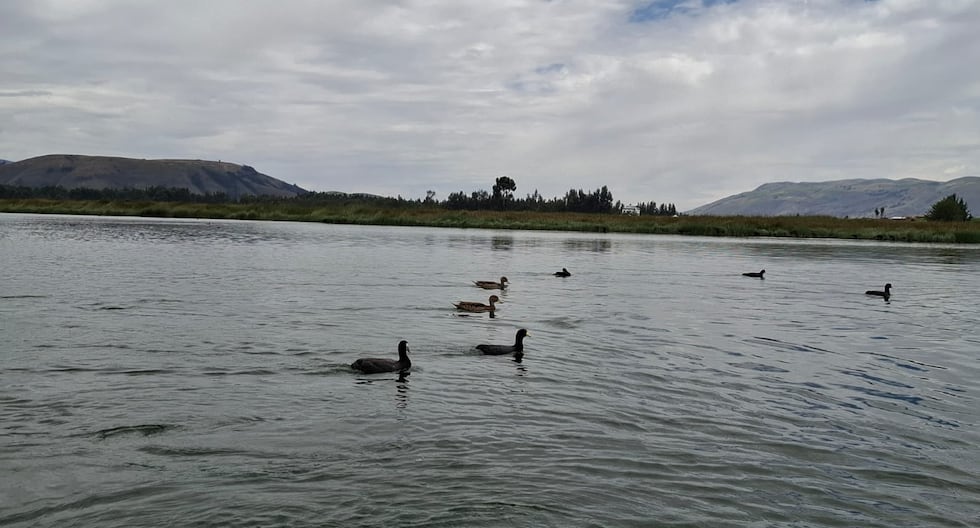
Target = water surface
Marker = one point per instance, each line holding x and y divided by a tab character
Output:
195	373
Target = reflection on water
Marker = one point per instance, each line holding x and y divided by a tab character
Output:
596	244
502	242
138	230
401	394
147	363
836	250
949	256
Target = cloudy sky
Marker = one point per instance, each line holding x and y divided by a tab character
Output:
682	101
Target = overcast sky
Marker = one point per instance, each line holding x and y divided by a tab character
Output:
682	101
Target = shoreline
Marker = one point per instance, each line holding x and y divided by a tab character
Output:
918	230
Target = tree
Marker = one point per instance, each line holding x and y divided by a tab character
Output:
605	204
949	209
480	199
503	191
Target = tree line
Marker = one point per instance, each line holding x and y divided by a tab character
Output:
148	194
501	197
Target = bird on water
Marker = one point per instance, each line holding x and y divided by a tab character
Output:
879	293
473	306
376	365
563	273
759	274
491	285
517	349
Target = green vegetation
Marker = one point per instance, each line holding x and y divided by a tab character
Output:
576	211
382	211
949	209
502	199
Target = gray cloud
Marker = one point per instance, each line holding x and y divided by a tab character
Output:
683	102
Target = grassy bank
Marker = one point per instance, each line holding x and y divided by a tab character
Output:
737	226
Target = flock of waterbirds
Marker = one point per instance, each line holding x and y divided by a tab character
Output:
886	293
403	363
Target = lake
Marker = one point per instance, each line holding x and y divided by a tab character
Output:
158	372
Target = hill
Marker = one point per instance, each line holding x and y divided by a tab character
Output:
103	172
845	198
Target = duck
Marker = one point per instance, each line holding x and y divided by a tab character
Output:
473	306
498	350
563	273
878	293
491	285
759	274
376	365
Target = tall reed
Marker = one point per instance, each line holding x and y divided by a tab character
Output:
730	226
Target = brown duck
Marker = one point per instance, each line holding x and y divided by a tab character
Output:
491	285
473	306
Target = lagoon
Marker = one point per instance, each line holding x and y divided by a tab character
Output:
195	373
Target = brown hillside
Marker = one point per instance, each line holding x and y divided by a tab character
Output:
103	172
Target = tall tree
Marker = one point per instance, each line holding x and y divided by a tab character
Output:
503	191
950	209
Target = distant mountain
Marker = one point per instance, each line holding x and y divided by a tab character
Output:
4	162
852	198
102	172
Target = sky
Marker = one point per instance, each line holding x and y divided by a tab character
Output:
677	101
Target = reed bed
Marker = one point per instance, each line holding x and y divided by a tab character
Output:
917	230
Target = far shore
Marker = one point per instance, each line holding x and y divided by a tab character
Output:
906	230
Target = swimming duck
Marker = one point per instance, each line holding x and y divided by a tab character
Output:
490	285
886	294
563	273
759	274
498	350
375	365
473	306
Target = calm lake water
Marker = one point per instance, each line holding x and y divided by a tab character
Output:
195	373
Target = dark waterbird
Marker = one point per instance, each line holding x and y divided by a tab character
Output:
498	350
878	293
375	365
473	306
491	285
758	274
563	273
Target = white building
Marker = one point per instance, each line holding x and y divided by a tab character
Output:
631	210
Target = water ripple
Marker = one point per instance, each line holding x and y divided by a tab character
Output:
643	398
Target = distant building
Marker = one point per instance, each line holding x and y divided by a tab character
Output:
631	210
